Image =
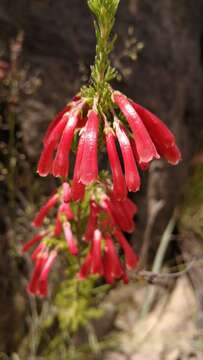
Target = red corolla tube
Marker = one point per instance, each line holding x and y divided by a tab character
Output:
131	173
146	149
89	162
119	185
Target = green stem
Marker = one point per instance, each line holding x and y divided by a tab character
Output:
102	72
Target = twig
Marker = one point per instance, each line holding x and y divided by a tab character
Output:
162	278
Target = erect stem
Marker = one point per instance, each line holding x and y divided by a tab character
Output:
102	72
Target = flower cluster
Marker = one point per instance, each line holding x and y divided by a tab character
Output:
98	120
106	220
141	136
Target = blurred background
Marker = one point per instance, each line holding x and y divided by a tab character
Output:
46	48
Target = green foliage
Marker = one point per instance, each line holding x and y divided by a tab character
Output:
74	302
102	72
101	7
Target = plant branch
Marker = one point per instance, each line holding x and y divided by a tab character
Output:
102	72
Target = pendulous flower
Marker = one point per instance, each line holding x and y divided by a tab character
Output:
145	147
112	267
59	138
89	161
38	284
162	137
43	279
78	189
119	184
92	221
70	239
107	219
131	257
45	209
131	173
152	138
93	261
140	135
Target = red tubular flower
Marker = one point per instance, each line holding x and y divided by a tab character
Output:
78	189
97	266
36	239
134	149
108	274
112	266
131	173
64	209
33	284
38	251
119	185
89	162
145	148
71	241
46	159
38	220
67	211
81	122
92	221
55	122
105	204
121	217
66	192
129	207
86	267
58	225
61	161
59	116
131	258
172	154
43	279
162	137
62	128
93	261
